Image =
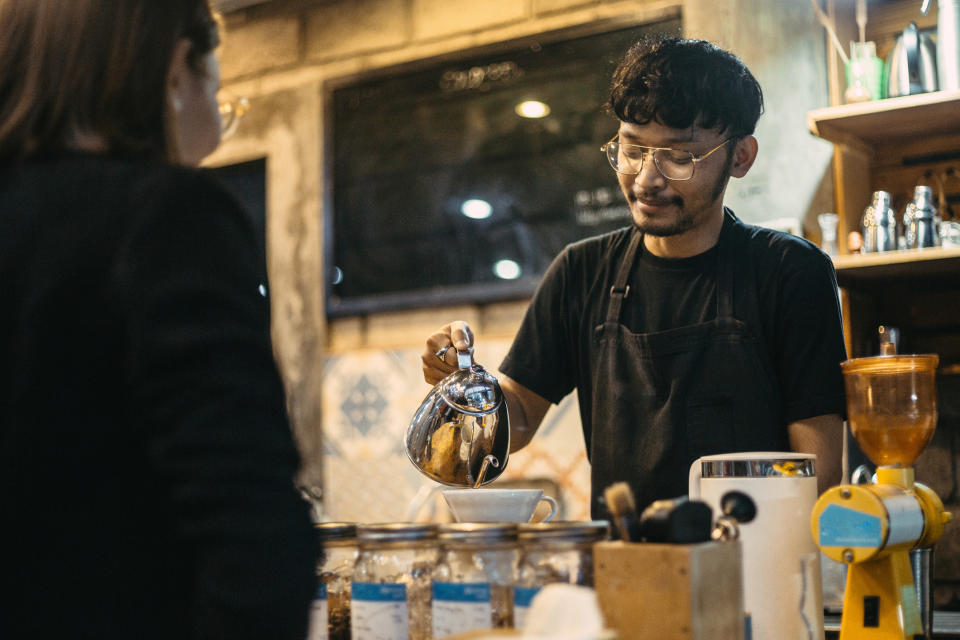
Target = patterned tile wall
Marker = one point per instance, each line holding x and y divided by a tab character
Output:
369	397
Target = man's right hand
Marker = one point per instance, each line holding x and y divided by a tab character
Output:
445	342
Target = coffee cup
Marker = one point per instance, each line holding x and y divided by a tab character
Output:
497	505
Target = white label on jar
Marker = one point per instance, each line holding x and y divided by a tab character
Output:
378	611
319	613
460	607
522	597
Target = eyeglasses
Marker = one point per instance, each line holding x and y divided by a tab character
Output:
673	164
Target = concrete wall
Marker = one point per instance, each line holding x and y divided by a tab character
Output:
279	55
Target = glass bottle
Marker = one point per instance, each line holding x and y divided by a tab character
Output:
390	592
330	614
552	552
474	578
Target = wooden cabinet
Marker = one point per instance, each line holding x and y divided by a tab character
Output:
894	145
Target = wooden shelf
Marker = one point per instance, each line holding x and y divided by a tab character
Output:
868	270
866	125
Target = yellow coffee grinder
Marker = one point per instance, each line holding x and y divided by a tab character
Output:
892	412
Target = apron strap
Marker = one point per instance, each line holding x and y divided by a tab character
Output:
725	263
620	289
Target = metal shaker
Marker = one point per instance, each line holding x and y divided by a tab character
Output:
921	223
879	224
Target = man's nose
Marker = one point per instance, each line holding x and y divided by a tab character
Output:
649	178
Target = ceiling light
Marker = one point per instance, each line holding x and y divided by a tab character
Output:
532	109
476	209
507	269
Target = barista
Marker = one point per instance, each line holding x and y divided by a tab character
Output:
688	333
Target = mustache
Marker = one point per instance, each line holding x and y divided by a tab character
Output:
654	200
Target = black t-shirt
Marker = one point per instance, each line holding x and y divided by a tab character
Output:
784	289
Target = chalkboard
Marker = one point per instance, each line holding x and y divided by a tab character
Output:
407	147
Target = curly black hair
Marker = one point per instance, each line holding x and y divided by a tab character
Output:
681	83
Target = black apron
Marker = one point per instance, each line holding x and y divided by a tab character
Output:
661	400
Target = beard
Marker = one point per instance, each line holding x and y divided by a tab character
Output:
685	219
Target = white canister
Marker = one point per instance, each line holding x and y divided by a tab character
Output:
781	563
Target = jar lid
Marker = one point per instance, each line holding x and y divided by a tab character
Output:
587	531
396	532
335	531
897	364
477	532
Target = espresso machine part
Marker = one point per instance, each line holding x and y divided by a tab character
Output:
879	224
460	434
911	66
921	223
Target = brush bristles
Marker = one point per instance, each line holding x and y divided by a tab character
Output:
619	498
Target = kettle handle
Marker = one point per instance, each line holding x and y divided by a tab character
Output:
696	474
465	358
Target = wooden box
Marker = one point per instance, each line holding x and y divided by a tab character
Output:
657	591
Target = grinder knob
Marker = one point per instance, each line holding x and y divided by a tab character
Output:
737	508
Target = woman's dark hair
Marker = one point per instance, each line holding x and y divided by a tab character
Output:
96	67
681	83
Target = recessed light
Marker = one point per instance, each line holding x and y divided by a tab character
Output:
532	109
507	269
476	209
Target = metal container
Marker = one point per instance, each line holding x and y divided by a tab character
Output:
879	224
921	223
948	45
912	64
330	613
921	564
556	552
474	578
390	592
460	434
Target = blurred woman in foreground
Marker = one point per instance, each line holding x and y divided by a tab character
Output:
146	461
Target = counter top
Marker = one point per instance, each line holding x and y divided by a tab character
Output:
945	623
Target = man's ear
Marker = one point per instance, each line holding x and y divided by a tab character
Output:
743	156
177	74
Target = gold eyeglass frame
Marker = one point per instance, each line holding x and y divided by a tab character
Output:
694	158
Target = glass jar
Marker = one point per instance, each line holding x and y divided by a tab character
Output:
390	593
552	552
330	614
474	578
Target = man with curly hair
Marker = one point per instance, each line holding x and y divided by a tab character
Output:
688	333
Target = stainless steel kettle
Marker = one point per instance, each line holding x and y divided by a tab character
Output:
911	66
460	435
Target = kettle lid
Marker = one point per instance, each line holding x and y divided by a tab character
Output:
471	389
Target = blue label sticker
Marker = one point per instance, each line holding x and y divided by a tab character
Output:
843	527
321	592
523	596
465	592
377	592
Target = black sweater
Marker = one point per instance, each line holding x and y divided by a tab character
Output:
146	461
